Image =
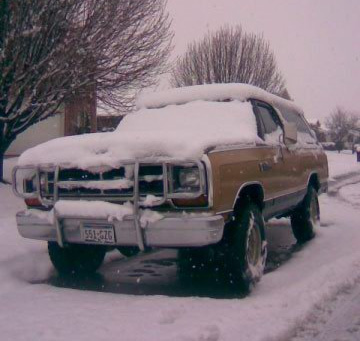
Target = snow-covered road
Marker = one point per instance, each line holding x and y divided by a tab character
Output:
338	319
285	302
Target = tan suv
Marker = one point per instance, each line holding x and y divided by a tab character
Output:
197	168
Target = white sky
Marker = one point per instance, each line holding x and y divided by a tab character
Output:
316	42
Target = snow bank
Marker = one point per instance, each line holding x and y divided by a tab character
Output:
283	301
351	194
177	131
342	163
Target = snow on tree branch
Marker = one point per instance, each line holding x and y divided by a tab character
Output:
230	55
52	51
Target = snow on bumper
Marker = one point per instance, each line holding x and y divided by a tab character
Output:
173	230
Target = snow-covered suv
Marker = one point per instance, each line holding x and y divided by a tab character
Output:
196	168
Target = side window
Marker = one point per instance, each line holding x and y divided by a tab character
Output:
293	117
304	133
269	123
268	120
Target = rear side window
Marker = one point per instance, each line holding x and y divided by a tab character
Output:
304	133
293	117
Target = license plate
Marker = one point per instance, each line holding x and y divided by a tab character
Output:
99	234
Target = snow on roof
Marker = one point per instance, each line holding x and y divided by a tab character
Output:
211	92
177	131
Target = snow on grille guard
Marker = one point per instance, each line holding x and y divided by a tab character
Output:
45	177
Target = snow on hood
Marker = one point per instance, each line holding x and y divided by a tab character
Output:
175	131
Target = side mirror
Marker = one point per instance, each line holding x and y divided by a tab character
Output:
290	133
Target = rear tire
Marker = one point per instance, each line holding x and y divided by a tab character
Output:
306	217
76	258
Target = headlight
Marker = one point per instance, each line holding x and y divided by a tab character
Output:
30	185
42	181
25	181
186	179
189	177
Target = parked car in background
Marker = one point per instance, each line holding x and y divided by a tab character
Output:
356	147
198	169
328	145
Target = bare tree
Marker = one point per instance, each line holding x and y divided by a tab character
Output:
230	55
54	50
340	122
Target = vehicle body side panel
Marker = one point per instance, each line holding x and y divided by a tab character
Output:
284	179
234	168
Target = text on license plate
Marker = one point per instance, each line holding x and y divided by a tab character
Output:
101	234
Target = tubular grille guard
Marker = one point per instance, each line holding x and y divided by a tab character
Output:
167	193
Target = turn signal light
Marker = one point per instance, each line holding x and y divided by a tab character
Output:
201	201
33	202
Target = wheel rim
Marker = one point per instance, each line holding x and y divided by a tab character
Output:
314	210
253	252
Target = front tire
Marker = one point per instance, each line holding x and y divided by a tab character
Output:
245	247
76	258
238	260
306	217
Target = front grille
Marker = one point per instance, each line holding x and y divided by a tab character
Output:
74	174
151	180
117	183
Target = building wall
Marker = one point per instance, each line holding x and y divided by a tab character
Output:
76	117
80	115
108	123
43	131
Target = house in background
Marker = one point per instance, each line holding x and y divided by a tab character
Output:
322	133
80	116
108	119
75	117
38	133
354	134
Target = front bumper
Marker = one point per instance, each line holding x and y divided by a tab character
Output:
174	230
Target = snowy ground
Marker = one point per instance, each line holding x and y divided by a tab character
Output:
342	163
281	306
